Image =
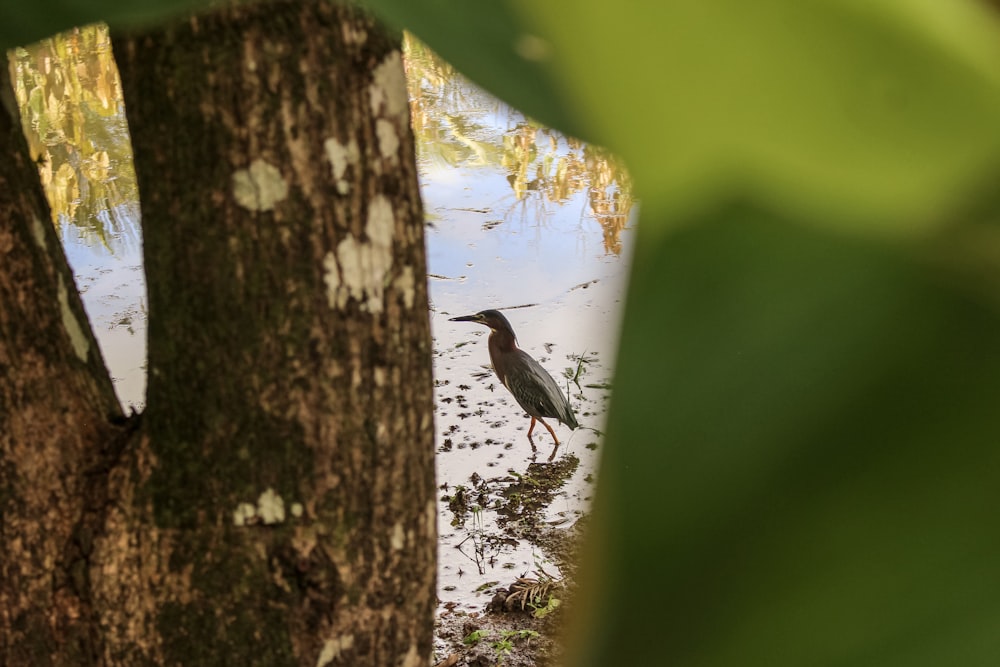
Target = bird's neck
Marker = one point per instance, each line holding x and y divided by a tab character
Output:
502	341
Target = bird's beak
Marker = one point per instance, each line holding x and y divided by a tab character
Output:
463	318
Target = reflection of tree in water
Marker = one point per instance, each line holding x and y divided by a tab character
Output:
610	195
547	167
452	120
457	124
70	97
74	119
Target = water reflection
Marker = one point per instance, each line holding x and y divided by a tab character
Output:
525	219
74	120
458	125
71	109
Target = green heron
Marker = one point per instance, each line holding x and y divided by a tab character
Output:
533	388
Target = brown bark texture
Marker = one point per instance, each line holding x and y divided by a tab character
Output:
60	424
279	506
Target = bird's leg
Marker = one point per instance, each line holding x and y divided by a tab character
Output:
530	439
554	438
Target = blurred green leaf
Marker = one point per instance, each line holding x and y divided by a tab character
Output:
866	114
803	457
22	23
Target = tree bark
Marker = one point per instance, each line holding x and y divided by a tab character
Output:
60	424
279	508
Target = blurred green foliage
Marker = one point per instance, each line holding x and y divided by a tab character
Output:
22	23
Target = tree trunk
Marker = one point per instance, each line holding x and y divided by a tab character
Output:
60	423
280	507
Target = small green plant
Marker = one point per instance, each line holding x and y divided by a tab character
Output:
505	644
519	634
540	611
473	638
503	647
574	374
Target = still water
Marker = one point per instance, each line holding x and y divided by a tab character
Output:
74	121
519	217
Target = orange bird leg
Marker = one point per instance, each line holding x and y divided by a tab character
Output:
554	438
530	439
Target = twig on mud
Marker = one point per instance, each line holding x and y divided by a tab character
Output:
450	661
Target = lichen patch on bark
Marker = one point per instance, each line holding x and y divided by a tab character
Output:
398	537
271	507
81	344
38	232
430	518
354	35
407	285
388	138
335	297
269	510
381	224
244	514
260	187
341	156
333	647
414	659
387	92
359	268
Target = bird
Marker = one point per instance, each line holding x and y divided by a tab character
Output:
530	384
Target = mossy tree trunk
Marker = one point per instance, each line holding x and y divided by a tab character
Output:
61	427
283	490
60	423
274	506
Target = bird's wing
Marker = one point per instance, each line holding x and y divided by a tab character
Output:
537	392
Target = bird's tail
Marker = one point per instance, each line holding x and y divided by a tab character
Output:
570	419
